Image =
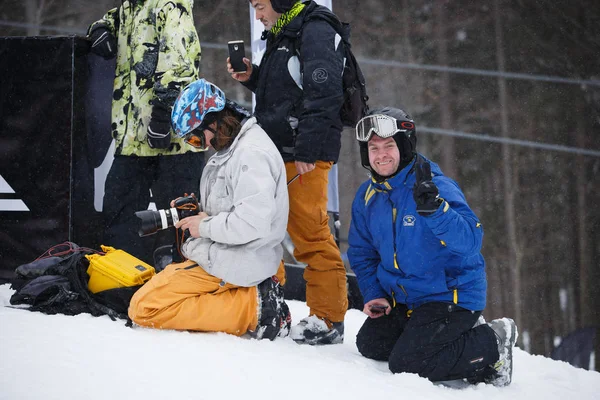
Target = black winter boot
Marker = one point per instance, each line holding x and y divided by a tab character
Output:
274	318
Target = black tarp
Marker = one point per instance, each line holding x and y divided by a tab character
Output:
44	152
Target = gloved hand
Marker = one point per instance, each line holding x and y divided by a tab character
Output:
159	129
425	192
104	43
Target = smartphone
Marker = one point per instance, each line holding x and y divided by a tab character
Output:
377	308
236	55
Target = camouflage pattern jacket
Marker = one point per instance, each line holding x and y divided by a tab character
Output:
158	54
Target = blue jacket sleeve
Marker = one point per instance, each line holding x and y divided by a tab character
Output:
454	223
322	59
363	256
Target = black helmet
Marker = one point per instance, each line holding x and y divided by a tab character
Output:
282	6
404	135
240	111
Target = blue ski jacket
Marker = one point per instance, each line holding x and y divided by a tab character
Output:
398	254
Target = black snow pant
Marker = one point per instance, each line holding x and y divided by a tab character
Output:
127	190
437	342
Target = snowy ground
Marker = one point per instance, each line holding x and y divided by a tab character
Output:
46	357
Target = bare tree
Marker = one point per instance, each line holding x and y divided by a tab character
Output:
507	167
449	164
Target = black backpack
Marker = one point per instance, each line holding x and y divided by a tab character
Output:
355	91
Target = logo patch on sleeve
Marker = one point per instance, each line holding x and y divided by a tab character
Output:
320	75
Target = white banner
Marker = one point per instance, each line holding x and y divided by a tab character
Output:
258	49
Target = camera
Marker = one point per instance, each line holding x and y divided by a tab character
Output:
153	221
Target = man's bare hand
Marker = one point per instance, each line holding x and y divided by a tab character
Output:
192	224
240	76
303	168
377	308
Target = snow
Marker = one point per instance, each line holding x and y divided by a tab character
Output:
46	357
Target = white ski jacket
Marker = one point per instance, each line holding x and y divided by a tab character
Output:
244	191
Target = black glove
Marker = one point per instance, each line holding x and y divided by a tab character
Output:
159	129
103	43
425	193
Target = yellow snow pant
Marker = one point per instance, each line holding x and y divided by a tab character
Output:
308	227
185	297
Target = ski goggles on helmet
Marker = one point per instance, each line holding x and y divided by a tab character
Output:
382	125
196	139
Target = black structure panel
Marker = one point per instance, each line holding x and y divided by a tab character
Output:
46	184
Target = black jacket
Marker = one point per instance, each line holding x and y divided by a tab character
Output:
301	111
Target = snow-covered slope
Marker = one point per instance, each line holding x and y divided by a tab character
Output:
62	357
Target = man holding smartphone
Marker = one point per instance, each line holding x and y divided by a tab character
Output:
299	93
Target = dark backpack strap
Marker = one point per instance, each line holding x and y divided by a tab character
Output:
324	14
41	290
79	279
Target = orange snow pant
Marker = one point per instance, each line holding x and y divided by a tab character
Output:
308	227
185	297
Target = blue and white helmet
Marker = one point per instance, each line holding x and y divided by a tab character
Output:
195	101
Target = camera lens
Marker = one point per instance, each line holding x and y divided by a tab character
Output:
153	221
150	221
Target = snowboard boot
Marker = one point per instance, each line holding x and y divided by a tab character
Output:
274	318
315	331
506	337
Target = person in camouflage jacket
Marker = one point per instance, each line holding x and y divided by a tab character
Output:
157	53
